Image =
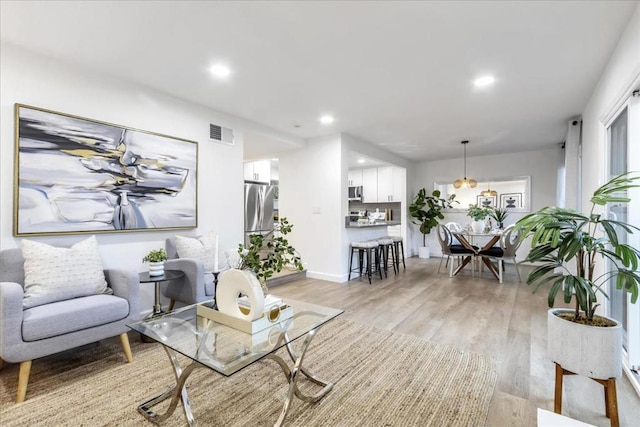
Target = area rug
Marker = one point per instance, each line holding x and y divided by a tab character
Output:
381	378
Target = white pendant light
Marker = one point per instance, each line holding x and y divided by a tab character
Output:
465	183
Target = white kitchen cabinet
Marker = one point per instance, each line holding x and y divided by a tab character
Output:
370	185
259	171
382	185
355	177
399	177
385	184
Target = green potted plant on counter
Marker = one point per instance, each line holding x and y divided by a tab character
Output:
478	214
426	211
567	246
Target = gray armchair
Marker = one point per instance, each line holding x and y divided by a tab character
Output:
196	286
32	333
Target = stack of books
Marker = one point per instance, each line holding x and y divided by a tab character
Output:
270	302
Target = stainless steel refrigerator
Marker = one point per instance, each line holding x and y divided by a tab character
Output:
258	209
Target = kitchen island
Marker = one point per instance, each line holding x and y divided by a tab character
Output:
377	223
358	232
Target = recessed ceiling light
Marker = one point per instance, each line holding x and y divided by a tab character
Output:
326	119
484	81
220	70
361	160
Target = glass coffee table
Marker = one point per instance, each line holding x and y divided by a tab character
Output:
226	350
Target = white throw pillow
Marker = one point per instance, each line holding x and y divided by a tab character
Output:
56	274
203	249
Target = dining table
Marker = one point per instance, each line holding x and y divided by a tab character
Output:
467	239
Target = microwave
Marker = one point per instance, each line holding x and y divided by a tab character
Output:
355	193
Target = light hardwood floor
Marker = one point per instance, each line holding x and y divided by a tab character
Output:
505	321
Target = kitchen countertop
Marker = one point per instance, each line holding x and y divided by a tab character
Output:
353	224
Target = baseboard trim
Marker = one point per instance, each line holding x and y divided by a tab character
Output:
337	278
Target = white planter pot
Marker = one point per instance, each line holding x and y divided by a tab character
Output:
423	252
478	226
156	268
233	282
594	352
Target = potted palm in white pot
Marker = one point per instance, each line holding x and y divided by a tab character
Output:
567	245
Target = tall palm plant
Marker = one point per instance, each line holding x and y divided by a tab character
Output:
560	235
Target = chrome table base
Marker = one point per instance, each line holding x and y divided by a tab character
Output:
179	391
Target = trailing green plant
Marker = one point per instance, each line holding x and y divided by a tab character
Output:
560	235
499	214
478	213
269	253
427	210
156	255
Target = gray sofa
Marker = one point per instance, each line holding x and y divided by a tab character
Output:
28	334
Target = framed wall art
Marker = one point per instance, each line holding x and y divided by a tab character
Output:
511	201
486	201
77	175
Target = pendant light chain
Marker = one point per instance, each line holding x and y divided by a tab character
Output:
471	183
465	161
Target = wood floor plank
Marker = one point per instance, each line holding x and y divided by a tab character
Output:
506	321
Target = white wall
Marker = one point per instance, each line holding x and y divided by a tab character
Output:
39	81
620	77
311	192
541	165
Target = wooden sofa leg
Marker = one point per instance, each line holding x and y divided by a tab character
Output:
172	302
23	380
124	340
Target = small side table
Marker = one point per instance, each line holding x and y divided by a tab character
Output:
167	276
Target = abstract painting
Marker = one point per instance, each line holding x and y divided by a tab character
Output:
77	175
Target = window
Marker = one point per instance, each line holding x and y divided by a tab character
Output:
623	139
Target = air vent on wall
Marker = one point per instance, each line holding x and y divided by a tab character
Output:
221	134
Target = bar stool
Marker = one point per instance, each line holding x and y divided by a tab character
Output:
386	246
398	244
366	250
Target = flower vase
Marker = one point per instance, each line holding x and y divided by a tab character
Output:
156	268
478	226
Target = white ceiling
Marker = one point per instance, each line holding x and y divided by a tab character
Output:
397	74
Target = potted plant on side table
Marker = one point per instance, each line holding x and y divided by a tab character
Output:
156	259
568	244
478	214
426	211
265	255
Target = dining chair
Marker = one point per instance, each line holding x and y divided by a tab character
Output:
455	227
449	248
508	246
